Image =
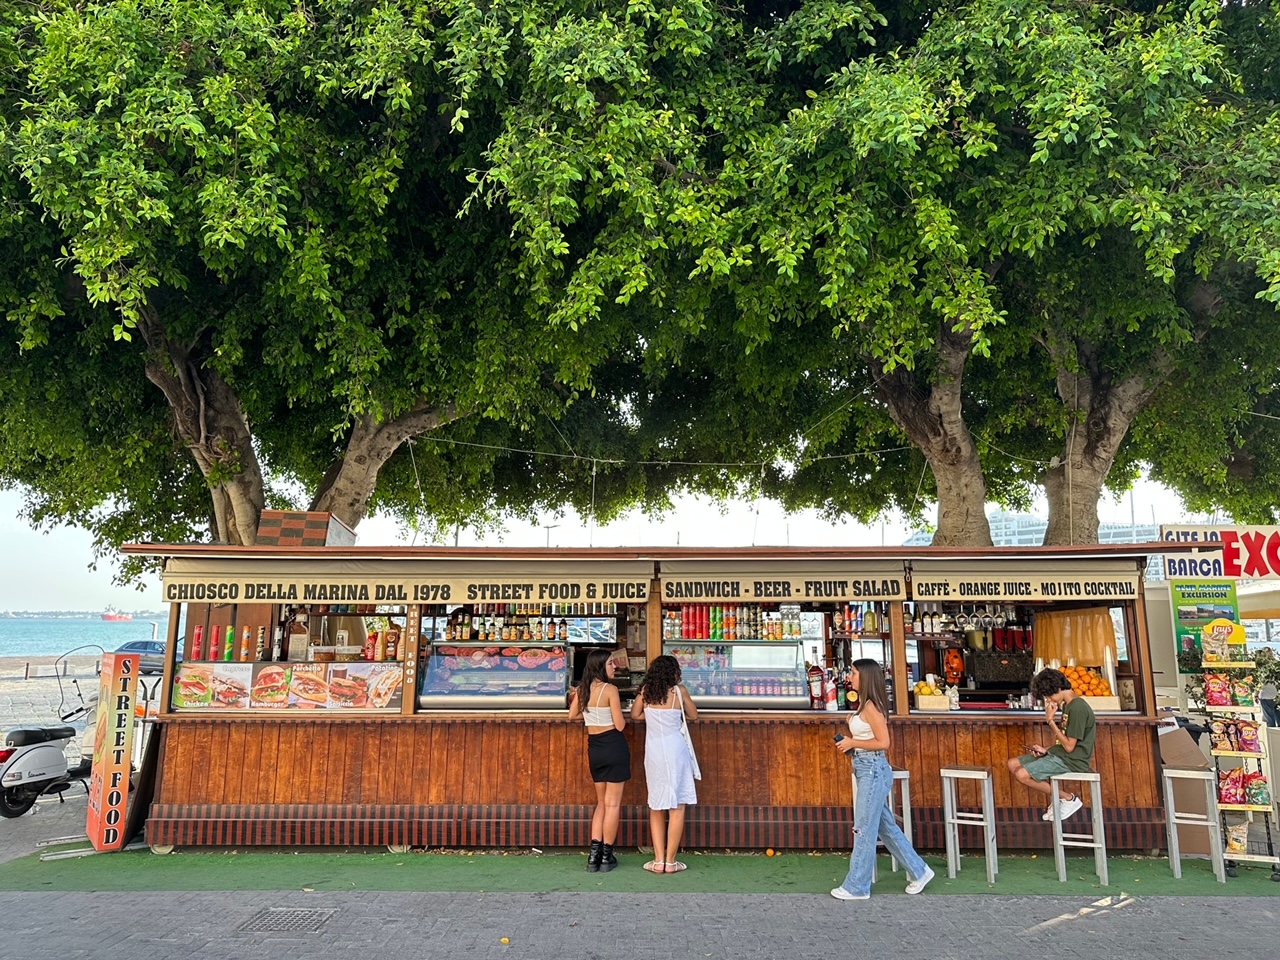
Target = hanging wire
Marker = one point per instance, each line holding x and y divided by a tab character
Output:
591	526
422	498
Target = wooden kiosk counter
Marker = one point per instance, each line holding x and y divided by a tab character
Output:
416	696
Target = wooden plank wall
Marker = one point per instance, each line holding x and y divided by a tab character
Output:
780	762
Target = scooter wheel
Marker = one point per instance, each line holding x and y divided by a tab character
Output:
398	848
162	849
14	803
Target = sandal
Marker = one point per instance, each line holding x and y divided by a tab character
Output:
675	866
655	866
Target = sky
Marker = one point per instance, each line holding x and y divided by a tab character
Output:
51	571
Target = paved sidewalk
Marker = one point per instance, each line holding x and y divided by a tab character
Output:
400	926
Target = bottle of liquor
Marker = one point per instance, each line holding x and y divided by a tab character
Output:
871	620
917	624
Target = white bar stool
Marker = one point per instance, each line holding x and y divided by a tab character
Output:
954	818
1096	841
1210	820
901	781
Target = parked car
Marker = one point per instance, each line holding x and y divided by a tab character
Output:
152	654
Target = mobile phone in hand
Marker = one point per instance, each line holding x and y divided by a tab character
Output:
838	737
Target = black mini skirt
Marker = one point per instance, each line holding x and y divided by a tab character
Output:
610	757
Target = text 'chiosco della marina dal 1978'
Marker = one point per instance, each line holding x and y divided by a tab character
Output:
409	591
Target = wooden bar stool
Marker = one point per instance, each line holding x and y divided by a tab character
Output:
1210	820
902	783
954	818
1097	840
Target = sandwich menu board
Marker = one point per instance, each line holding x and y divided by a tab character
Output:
288	686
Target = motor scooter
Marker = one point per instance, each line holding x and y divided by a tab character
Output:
33	762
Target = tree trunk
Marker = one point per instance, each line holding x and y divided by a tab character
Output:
349	484
932	417
1102	411
208	417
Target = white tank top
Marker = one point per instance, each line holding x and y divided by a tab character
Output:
598	716
859	729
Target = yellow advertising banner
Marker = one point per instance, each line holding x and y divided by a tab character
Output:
112	751
400	582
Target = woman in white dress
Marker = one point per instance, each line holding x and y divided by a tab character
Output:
669	764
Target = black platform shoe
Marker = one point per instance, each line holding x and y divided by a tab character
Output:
594	857
607	861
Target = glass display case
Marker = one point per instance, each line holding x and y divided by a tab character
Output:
483	675
747	674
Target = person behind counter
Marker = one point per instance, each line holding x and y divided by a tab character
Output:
596	701
670	766
867	741
1072	749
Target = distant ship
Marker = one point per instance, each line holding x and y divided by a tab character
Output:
114	615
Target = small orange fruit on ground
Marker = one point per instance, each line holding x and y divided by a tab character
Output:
769	852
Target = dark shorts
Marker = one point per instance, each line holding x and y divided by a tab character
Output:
610	757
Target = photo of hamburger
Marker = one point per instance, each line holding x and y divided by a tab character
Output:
270	687
308	685
348	690
193	686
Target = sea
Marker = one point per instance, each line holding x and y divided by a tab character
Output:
84	635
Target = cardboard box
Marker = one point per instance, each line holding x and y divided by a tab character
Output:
1178	749
930	702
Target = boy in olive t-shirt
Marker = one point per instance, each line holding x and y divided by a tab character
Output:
1073	737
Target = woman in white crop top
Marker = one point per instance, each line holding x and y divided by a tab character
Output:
867	742
597	702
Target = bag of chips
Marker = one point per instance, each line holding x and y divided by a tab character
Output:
1218	735
1217	690
1231	786
1213	646
1242	692
1238	838
1247	738
1256	789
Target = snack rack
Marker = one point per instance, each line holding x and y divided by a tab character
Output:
1250	760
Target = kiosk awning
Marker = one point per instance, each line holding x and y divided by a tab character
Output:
292	580
783	581
1009	581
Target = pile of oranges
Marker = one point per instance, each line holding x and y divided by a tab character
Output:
1087	682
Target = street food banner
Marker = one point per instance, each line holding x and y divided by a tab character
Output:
287	686
211	580
719	581
1248	553
112	751
1199	603
1011	581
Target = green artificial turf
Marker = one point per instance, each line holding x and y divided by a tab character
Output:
528	872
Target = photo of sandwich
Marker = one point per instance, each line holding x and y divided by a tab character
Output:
348	688
193	687
231	685
384	685
270	686
309	685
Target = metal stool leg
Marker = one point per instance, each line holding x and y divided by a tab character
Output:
989	827
950	829
1099	832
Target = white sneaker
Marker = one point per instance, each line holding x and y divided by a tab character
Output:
1047	816
840	893
915	886
1070	807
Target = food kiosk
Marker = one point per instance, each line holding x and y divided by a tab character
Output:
416	696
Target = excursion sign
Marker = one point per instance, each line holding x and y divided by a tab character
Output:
1251	553
1025	587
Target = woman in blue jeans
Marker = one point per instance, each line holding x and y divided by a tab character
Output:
867	741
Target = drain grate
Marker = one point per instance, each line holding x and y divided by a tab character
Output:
287	920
